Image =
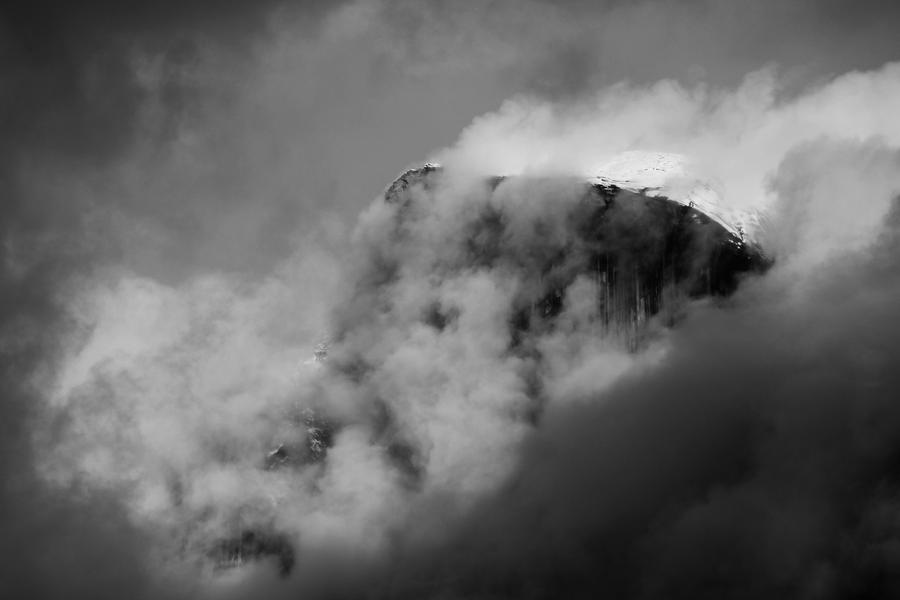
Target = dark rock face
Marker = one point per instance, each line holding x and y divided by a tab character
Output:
312	448
252	546
647	254
260	544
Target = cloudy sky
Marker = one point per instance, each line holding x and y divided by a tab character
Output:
187	210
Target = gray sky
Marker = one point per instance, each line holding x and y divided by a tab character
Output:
149	150
314	106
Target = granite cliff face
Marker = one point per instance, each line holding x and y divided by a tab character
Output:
647	252
620	255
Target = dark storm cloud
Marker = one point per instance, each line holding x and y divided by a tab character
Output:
571	47
71	96
718	41
68	84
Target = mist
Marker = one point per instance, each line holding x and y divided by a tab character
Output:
191	209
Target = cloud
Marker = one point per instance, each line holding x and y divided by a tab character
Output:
178	239
750	460
755	126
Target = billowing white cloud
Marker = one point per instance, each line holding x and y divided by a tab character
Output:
172	394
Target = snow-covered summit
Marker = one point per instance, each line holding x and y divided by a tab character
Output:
655	174
669	175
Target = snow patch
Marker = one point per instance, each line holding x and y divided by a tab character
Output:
669	175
